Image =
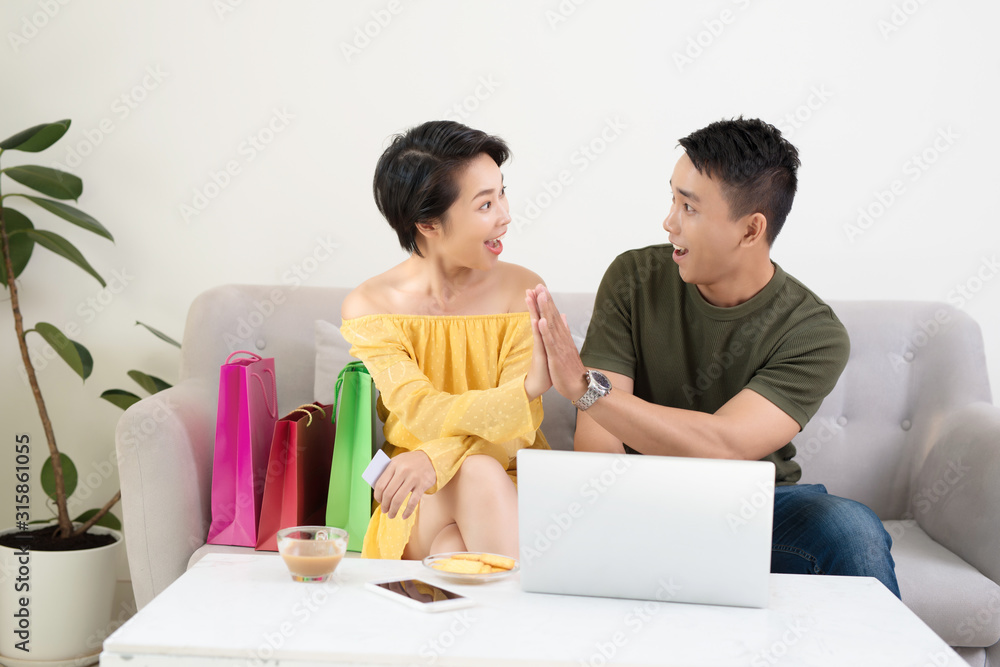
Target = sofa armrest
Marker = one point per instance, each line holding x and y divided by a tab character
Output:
165	444
956	499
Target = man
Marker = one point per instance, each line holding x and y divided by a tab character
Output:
704	347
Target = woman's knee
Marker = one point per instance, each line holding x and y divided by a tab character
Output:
481	471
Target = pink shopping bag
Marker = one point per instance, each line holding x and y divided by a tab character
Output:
248	410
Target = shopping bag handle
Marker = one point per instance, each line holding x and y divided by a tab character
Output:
351	367
302	408
256	357
271	409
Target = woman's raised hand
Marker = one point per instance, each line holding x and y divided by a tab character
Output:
537	381
407	473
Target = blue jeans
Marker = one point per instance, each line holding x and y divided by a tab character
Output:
816	533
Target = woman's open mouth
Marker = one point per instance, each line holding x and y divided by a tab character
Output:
495	246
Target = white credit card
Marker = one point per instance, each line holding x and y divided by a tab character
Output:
375	468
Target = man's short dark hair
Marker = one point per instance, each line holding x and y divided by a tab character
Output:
416	177
754	165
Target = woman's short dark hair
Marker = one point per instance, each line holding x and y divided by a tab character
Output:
416	177
754	165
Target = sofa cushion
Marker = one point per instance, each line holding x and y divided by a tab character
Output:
957	601
332	354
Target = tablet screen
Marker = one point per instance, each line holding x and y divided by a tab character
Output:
420	591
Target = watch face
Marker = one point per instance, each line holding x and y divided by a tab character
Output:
599	385
602	380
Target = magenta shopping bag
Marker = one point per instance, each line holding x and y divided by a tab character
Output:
248	409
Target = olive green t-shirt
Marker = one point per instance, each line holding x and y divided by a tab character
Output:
784	343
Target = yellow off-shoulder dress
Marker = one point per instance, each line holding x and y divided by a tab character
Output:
450	386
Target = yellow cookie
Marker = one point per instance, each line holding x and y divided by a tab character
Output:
499	562
459	566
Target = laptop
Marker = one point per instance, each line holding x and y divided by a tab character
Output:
645	527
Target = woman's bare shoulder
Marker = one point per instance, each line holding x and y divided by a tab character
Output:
516	280
368	298
519	277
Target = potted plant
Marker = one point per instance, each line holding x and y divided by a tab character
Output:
150	383
60	595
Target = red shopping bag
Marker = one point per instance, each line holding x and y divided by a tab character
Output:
248	409
298	473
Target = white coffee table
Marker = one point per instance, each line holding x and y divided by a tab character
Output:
245	610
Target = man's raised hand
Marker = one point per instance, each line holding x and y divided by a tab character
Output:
566	369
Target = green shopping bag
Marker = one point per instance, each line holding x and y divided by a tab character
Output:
349	503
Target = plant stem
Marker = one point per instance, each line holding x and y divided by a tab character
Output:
94	519
65	525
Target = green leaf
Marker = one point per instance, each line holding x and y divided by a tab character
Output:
159	334
51	182
148	382
61	246
49	476
36	138
21	246
123	399
67	212
109	520
74	354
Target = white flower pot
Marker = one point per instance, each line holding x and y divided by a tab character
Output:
70	596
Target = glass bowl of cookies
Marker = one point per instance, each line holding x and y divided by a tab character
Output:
471	567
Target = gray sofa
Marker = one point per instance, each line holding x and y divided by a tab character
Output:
910	430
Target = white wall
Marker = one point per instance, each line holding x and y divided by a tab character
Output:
165	94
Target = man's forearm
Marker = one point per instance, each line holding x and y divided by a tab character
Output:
747	427
656	429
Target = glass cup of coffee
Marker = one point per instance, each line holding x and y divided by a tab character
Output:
312	553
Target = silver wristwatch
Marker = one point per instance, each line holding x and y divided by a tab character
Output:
599	386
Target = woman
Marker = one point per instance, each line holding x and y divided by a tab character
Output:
448	341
